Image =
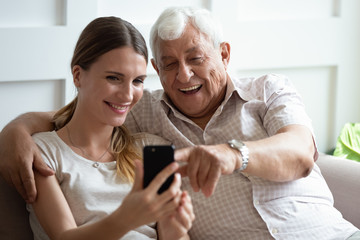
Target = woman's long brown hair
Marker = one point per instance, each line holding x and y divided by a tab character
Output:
99	37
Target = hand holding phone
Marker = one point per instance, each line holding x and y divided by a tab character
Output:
157	157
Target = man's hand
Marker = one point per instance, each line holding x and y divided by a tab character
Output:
205	164
18	155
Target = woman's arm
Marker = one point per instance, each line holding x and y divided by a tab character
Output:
19	154
140	207
54	215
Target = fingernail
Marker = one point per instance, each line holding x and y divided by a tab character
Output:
175	165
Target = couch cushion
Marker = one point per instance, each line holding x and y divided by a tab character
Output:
14	218
343	178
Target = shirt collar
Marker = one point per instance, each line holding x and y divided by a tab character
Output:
241	87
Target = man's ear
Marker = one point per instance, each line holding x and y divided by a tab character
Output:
225	53
76	71
154	65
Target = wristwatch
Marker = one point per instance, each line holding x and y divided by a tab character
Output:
242	148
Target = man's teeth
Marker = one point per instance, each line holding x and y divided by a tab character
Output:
118	107
190	88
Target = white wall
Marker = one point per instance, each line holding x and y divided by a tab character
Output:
315	43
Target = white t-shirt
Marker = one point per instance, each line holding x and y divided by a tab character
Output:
92	190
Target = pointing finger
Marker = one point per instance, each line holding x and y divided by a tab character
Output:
182	155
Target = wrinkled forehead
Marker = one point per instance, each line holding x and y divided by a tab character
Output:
191	39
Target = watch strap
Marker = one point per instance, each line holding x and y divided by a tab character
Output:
243	149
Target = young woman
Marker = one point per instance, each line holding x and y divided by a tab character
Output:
97	192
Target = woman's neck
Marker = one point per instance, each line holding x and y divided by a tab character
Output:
88	139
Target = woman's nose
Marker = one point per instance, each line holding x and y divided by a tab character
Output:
125	92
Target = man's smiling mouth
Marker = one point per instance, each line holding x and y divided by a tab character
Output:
192	89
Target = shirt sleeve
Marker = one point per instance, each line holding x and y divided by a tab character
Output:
284	105
47	151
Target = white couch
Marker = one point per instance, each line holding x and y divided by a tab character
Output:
342	176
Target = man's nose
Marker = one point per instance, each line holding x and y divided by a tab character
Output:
185	72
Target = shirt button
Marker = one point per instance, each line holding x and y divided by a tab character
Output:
257	202
96	165
274	230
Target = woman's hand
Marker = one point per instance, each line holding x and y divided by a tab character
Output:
144	206
176	225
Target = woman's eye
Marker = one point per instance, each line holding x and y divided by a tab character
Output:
138	81
112	78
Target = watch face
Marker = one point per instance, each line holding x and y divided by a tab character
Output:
237	143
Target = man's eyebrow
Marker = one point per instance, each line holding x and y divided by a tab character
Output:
191	49
164	58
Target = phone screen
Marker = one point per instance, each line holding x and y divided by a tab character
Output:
156	158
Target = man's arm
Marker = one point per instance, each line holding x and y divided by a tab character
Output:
286	156
19	153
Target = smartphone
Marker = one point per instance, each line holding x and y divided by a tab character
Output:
156	158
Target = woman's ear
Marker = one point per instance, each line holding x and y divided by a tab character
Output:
225	53
76	71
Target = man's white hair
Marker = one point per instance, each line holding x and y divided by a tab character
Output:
171	24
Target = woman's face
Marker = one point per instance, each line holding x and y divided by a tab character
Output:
111	86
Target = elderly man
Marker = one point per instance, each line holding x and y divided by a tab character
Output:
248	143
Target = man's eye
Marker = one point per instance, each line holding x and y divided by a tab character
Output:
196	60
169	66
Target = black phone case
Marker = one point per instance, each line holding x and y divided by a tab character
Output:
156	158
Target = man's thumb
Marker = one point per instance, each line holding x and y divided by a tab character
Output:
41	166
